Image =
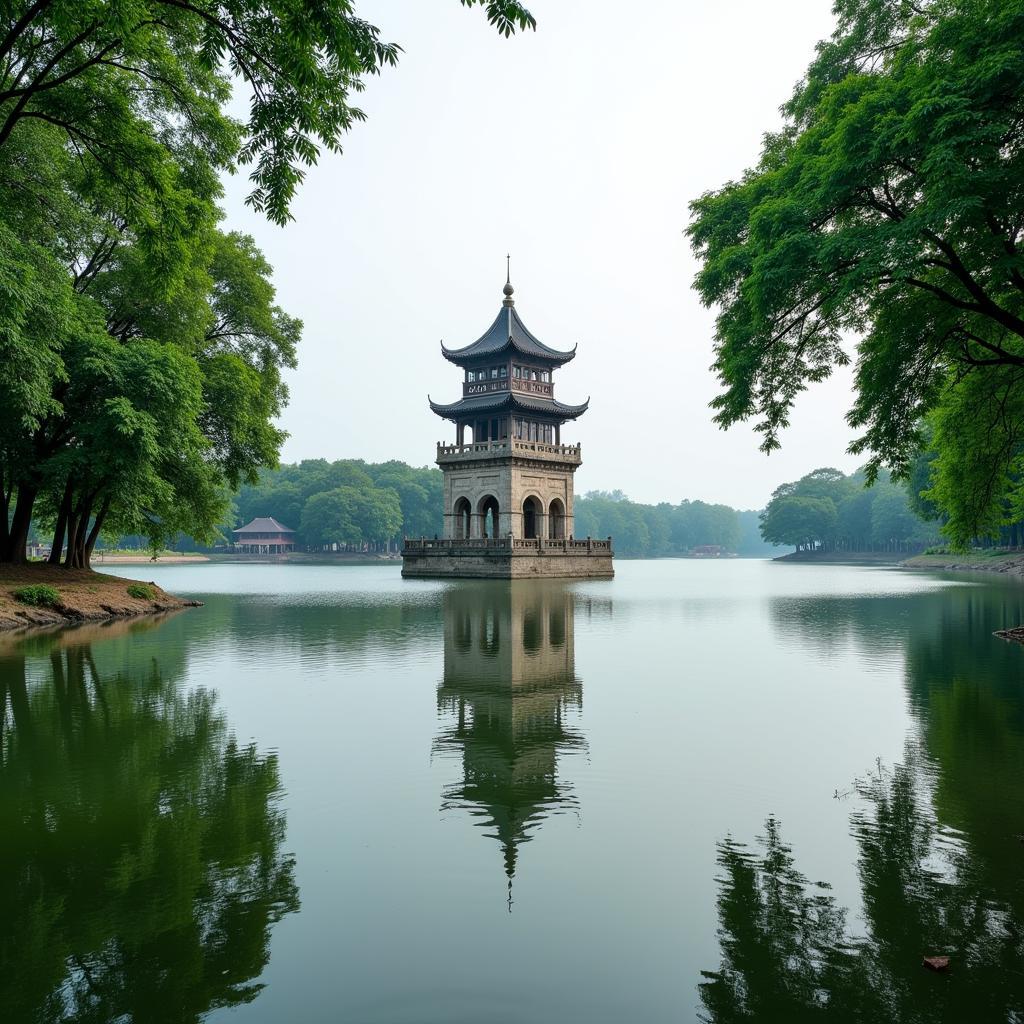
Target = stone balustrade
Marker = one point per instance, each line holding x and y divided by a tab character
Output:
478	545
489	449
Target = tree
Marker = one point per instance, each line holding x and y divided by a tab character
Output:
114	75
888	207
330	518
805	523
829	510
977	455
892	519
114	133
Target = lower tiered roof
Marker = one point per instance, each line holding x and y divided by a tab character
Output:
507	401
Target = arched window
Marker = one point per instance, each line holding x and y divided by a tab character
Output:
556	519
487	509
462	516
532	512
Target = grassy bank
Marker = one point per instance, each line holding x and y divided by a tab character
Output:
44	595
993	560
841	558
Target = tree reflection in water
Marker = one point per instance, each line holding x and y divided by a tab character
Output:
789	953
940	864
141	863
509	687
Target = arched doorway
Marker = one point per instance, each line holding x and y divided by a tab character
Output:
462	512
556	519
532	512
487	509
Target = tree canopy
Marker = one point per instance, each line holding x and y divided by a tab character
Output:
654	531
887	208
828	511
349	503
141	347
118	77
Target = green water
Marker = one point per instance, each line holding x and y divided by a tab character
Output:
329	795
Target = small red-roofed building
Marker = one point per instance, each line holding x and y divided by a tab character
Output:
264	536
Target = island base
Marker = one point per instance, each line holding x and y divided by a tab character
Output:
509	559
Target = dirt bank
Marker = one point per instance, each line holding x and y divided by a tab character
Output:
83	596
1008	562
840	558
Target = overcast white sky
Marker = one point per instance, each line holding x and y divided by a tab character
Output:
576	148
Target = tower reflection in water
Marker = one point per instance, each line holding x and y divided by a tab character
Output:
509	697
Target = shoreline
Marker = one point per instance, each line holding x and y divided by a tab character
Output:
99	559
841	558
230	558
84	596
1007	563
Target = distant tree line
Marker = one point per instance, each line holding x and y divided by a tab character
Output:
347	505
352	505
664	530
829	511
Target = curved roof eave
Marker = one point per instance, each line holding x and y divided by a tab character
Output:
513	333
506	400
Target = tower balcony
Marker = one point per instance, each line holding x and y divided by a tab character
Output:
448	454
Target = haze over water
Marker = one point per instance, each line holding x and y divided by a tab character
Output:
333	795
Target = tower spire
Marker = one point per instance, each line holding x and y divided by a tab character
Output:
508	289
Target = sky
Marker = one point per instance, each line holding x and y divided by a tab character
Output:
575	148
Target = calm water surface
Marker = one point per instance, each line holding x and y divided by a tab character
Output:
722	791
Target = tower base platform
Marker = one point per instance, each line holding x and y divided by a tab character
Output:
509	558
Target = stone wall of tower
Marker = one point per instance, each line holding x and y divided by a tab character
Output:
511	481
545	481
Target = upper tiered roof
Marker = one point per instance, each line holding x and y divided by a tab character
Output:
507	332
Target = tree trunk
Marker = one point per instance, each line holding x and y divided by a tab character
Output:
94	533
61	528
77	529
76	555
5	512
14	551
72	536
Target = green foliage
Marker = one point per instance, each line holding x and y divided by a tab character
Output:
888	208
39	594
653	531
351	516
978	456
141	591
348	502
141	349
505	15
828	511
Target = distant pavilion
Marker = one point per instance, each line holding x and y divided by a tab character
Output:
264	536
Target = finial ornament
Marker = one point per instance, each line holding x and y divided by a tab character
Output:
508	289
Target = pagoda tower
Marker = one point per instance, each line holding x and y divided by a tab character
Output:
508	476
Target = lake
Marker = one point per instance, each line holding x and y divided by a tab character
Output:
735	790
